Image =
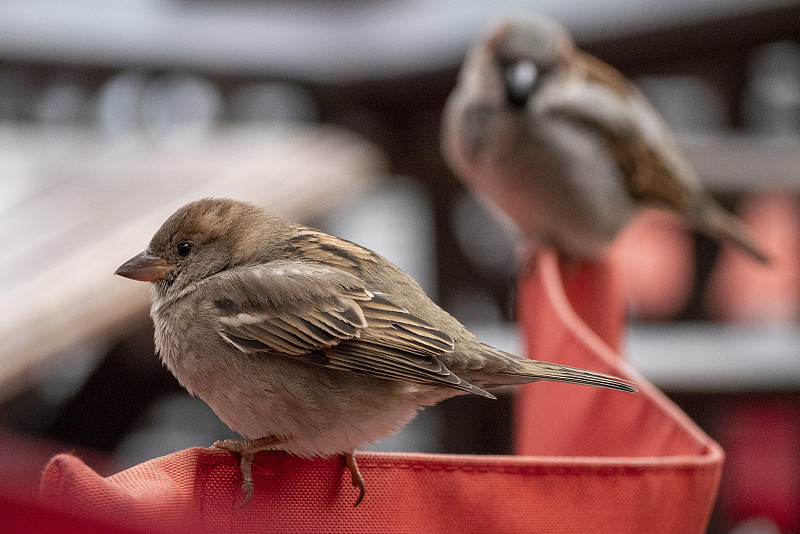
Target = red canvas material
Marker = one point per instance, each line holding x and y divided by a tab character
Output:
645	465
593	460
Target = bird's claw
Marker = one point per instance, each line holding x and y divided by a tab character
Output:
246	467
356	477
246	448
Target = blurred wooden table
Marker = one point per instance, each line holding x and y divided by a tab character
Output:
74	206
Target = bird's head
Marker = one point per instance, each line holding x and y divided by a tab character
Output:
202	238
526	51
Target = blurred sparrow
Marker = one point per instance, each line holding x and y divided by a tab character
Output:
565	145
306	342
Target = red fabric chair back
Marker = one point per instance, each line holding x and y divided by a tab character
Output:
591	460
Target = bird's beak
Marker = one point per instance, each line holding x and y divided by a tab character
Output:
144	267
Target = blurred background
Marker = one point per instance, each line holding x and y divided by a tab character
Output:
113	114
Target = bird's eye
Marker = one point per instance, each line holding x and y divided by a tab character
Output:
521	77
184	248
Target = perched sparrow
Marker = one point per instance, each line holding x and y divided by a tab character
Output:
565	145
306	342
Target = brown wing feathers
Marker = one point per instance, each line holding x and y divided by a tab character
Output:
353	329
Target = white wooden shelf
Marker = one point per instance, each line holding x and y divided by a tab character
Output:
729	163
708	357
697	357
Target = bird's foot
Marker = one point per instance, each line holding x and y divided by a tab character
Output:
247	448
355	474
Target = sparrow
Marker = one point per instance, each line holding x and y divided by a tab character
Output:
305	342
567	147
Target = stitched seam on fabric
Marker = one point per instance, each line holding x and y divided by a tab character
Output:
544	470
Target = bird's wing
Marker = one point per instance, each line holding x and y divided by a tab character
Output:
604	101
325	316
649	179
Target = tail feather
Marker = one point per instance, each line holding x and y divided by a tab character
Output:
717	222
532	370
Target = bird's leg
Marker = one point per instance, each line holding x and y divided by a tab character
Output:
355	474
247	448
